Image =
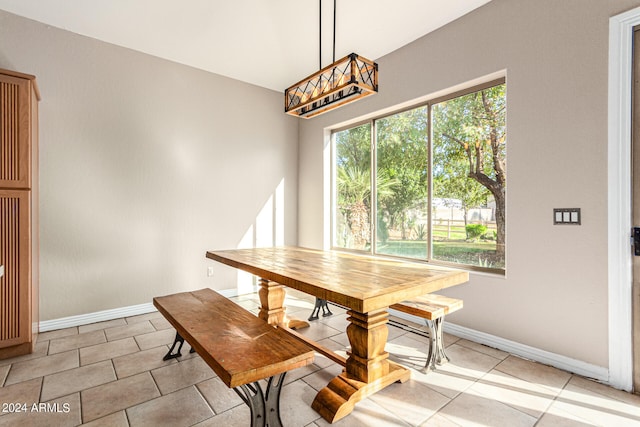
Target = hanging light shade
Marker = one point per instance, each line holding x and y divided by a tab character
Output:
348	79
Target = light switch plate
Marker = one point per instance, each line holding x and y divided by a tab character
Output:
567	216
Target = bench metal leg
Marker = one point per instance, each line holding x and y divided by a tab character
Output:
178	340
264	406
436	355
320	304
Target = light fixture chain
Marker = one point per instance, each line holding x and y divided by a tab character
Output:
320	35
334	30
344	81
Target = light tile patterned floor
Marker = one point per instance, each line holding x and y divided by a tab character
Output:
112	374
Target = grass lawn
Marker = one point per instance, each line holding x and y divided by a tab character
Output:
473	253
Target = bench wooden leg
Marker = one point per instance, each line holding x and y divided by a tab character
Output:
179	341
264	406
437	355
320	304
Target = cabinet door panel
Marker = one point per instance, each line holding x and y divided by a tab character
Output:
15	256
15	162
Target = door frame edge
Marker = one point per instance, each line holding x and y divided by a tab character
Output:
620	281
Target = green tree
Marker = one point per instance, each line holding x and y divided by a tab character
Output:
353	147
354	191
353	181
452	183
471	130
354	195
402	160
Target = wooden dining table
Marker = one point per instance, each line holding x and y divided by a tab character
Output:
366	285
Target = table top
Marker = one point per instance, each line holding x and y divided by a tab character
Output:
362	283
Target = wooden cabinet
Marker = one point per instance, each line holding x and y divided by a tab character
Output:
18	213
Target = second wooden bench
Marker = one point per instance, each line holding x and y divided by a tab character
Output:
431	308
241	348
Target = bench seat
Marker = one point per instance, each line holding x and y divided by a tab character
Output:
431	308
241	348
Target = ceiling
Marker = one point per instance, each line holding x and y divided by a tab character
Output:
269	43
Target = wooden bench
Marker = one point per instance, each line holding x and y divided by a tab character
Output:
432	308
241	348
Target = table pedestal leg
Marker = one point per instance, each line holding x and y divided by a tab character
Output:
368	369
272	305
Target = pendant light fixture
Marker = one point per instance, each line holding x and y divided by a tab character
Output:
345	80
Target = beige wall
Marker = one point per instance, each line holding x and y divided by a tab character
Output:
555	58
145	165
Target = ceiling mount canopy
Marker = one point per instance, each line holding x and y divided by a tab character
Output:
345	80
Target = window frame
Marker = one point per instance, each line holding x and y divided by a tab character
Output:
372	251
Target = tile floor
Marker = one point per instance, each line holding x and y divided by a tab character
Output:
112	374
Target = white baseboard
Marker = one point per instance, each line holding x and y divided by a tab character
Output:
102	316
565	363
98	316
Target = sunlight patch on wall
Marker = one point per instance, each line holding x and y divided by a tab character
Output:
246	282
266	231
279	215
265	224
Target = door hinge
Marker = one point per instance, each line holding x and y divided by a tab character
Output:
636	241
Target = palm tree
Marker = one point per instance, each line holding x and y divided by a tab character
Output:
354	201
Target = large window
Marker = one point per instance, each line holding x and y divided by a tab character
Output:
427	183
